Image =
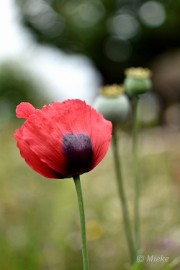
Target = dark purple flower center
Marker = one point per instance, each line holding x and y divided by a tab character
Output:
77	149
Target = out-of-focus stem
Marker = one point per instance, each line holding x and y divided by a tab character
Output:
122	196
136	176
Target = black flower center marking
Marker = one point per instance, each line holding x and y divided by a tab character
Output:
77	149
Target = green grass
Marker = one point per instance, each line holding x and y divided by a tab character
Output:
39	219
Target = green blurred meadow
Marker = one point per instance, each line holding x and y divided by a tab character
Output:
39	219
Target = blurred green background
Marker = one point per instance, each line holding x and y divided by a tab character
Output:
39	220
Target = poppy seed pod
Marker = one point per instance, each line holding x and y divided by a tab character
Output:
113	104
137	81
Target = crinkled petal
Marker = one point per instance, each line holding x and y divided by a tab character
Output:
101	133
44	130
84	119
32	159
24	110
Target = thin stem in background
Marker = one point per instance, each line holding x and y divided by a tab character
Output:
122	196
136	176
82	222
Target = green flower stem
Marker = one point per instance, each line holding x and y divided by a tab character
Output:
136	176
122	196
82	221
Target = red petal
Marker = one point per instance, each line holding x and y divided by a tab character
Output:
43	131
76	116
82	118
101	133
24	110
32	159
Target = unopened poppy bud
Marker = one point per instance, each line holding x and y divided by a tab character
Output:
137	81
113	104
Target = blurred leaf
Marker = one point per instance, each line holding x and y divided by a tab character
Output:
137	266
16	85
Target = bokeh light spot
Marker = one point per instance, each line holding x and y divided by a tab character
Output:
124	26
88	14
152	13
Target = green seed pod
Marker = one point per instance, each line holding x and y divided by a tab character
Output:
137	81
113	104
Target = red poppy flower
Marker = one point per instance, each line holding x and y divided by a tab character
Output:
62	139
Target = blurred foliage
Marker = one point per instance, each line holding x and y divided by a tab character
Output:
16	85
39	219
114	34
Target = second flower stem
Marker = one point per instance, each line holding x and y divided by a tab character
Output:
136	175
122	196
82	221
